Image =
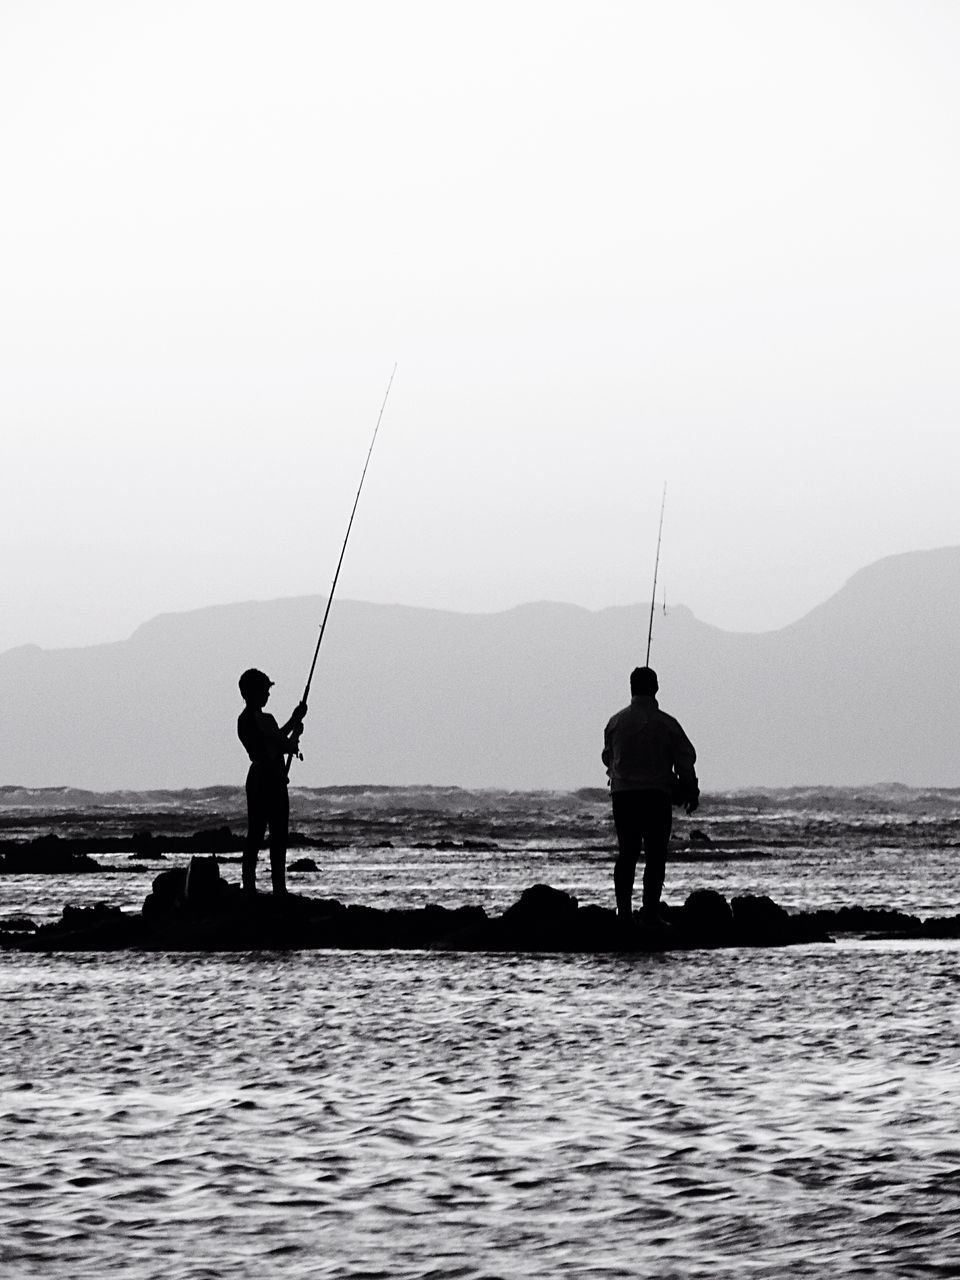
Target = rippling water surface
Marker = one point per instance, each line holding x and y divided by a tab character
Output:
709	1114
705	1114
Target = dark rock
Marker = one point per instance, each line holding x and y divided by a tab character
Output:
53	852
761	922
298	840
697	836
706	914
171	886
303	864
202	885
194	909
466	929
941	927
758	919
596	929
45	857
541	904
145	844
859	919
215	840
542	920
96	928
194	892
325	907
167	895
17	924
429	926
79	917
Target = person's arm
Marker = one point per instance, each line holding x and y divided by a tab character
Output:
684	760
606	755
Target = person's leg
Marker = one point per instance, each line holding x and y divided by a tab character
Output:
279	825
257	812
657	824
629	843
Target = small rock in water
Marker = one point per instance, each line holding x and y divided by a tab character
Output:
46	855
303	864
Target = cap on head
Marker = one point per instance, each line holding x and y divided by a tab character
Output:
643	680
253	680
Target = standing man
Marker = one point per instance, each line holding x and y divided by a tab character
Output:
649	760
268	804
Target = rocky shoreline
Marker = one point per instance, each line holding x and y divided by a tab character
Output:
191	908
54	854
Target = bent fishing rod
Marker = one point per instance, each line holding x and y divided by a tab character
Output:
346	539
656	566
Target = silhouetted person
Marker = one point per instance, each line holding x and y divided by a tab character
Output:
650	764
268	804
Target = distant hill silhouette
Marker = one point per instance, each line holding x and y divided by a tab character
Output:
865	688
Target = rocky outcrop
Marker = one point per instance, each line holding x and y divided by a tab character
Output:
191	908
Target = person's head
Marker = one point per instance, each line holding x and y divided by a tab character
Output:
255	687
643	680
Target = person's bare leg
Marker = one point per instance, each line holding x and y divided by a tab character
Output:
279	826
256	830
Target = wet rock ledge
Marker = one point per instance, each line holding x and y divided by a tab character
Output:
193	909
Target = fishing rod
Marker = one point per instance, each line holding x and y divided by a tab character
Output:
346	539
656	566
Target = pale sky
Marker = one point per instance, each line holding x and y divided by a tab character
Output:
610	245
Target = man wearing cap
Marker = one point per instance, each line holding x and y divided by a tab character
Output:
268	804
650	763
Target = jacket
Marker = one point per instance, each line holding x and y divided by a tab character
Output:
644	749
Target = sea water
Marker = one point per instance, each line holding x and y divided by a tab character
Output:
406	1114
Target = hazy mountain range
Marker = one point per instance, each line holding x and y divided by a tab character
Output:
865	688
